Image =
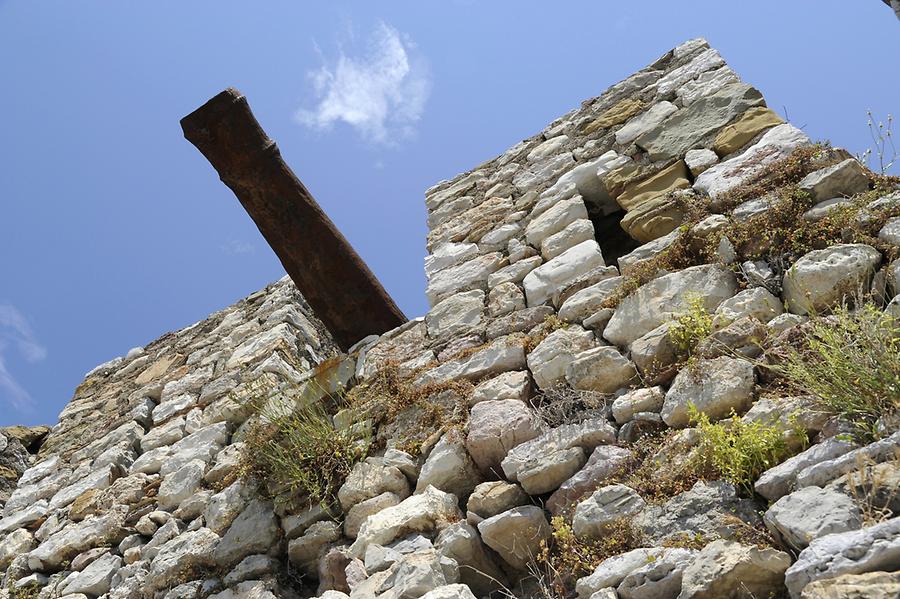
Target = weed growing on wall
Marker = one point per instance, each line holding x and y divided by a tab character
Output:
691	326
737	450
565	558
884	151
295	448
850	361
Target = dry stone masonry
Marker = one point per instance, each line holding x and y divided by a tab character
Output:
548	355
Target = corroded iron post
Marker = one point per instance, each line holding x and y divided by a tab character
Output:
332	277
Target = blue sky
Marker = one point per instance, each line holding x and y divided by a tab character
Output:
114	230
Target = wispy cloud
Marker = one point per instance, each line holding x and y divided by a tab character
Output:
236	248
16	336
381	92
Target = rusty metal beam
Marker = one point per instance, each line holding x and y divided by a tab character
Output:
332	277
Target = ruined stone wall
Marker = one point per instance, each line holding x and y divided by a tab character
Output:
527	392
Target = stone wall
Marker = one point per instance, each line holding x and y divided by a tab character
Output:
555	273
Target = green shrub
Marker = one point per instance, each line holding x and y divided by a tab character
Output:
296	449
737	450
691	326
850	361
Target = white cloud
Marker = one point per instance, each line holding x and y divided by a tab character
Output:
16	335
236	248
381	93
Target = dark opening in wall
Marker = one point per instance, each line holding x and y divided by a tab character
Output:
613	240
606	215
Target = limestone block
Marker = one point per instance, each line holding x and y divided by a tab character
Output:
430	511
548	470
685	129
556	218
588	301
449	468
516	534
700	160
779	480
587	435
855	586
723	566
649	399
502	355
777	143
602	369
495	427
822	279
607	504
468	275
491	498
371	478
757	302
659	300
715	387
706	84
810	513
574	233
605	461
509	385
457	315
549	360
870	549
644	122
841	180
707	60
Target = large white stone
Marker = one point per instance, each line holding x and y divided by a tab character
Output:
546	281
723	566
495	427
867	550
181	484
810	513
549	360
516	534
661	299
498	357
644	122
588	301
509	385
604	506
707	83
448	254
714	387
779	142
456	315
449	468
779	480
471	274
183	553
757	302
587	435
371	478
612	571
555	219
844	179
255	530
602	369
427	512
705	61
96	578
548	148
576	232
824	278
